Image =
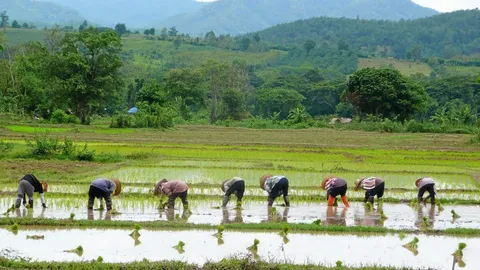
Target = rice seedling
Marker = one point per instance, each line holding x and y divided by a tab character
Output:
180	247
284	231
254	248
458	255
78	251
368	206
380	202
239	205
339	265
114	212
219	233
100	259
317	222
414	204
36	237
11	209
454	214
402	235
136	234
14	228
425	222
72	216
412	246
382	215
440	207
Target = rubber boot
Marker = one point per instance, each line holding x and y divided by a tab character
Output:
345	201
420	200
270	202
330	201
31	204
287	201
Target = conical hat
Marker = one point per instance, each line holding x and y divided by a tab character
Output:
262	180
45	186
223	184
118	187
325	179
358	182
417	182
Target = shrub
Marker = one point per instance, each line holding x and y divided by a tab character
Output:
42	145
85	154
391	126
5	148
59	117
72	119
121	121
68	148
415	127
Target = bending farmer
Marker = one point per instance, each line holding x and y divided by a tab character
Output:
172	189
335	186
103	188
423	185
373	187
276	186
236	186
28	185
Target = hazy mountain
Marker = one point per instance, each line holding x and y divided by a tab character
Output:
242	16
39	12
134	13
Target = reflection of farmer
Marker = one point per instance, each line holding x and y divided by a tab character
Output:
419	222
171	215
373	187
423	185
226	216
274	216
103	188
172	189
335	186
276	186
332	217
236	186
28	185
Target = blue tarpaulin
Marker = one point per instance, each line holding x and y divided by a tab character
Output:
133	110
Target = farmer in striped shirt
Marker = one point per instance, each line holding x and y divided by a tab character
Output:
423	185
276	186
335	186
373	187
236	186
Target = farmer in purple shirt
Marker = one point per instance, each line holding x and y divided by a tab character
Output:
103	188
173	189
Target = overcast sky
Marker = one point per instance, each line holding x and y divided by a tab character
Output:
440	5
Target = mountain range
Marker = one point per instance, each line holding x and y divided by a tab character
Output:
243	16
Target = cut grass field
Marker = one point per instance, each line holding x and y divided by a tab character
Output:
404	66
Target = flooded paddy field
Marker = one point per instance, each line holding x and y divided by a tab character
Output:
399	216
433	252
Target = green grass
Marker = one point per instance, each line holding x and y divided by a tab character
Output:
20	36
405	67
462	71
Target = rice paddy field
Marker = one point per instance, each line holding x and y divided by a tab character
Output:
394	234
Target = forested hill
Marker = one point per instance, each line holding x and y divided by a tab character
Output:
134	13
243	16
39	12
444	35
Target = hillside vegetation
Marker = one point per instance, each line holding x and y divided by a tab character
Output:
243	16
39	12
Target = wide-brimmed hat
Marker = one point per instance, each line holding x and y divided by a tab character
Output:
417	182
325	179
358	182
262	180
157	190
223	184
118	187
45	186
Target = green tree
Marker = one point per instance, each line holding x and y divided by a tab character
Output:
278	100
87	70
152	93
183	86
245	44
164	33
15	24
386	93
83	26
152	31
25	25
233	104
309	45
4	20
173	32
256	37
176	43
146	32
121	29
342	45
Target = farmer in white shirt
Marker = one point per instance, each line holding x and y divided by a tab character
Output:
276	186
373	186
423	185
236	186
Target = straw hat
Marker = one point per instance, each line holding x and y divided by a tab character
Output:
262	180
223	184
157	189
325	179
358	182
45	186
417	182
118	187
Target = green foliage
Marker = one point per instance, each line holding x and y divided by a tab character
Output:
278	100
5	148
60	117
180	247
72	216
412	246
42	145
78	251
454	214
384	92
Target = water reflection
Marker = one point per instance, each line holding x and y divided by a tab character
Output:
336	218
425	220
102	215
238	218
369	218
275	216
171	216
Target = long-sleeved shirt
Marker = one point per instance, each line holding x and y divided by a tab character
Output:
271	182
370	183
174	186
425	181
334	182
30	178
229	183
106	185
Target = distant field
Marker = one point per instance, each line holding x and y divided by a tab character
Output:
19	36
405	67
459	70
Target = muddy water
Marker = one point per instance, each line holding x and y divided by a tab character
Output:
117	246
400	216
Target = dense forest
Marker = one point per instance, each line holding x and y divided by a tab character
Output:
75	74
243	16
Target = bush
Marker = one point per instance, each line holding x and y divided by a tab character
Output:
391	126
59	117
72	119
42	145
5	148
85	154
415	127
68	148
121	121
